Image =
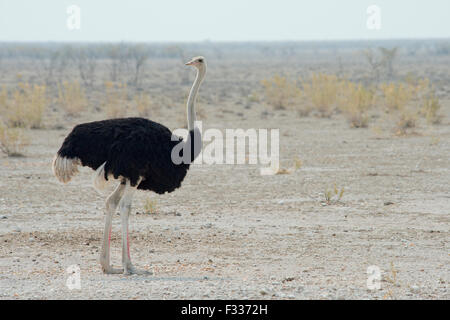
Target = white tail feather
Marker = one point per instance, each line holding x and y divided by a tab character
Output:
64	168
99	180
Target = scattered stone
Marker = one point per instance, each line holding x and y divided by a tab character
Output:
279	295
288	279
414	289
388	203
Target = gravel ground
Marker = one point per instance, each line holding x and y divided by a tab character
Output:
231	233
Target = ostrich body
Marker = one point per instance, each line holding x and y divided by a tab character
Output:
135	151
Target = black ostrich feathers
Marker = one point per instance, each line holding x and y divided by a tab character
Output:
130	148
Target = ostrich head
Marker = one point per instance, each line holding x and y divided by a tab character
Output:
198	62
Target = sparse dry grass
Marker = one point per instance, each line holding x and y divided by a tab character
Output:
72	98
333	195
253	97
150	206
283	171
298	163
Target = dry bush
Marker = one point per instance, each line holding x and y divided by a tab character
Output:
280	92
383	59
388	57
71	97
144	105
25	106
406	101
87	61
139	55
374	62
398	99
355	100
12	140
430	108
321	92
116	101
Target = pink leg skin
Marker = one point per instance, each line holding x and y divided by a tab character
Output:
128	246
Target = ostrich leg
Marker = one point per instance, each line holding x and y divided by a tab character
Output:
125	209
111	205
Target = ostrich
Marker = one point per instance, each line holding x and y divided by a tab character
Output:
138	153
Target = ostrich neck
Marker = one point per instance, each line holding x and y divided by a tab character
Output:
191	100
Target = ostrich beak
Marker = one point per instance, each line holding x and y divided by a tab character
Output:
190	63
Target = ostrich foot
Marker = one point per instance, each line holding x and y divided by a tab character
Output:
130	269
110	270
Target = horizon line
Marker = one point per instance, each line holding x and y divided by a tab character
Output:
226	41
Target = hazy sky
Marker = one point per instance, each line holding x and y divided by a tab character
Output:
225	20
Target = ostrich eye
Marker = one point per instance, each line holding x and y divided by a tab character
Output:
200	60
